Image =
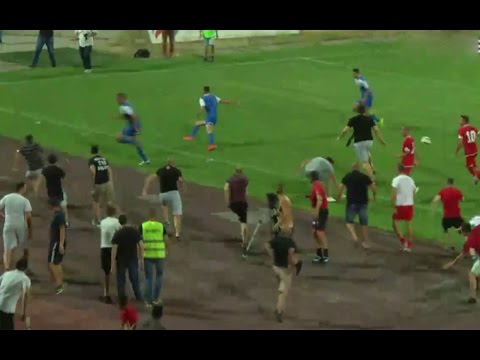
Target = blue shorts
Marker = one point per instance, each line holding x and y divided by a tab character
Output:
354	210
368	103
129	131
211	121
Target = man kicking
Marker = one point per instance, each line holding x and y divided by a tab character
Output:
366	95
131	132
326	173
209	106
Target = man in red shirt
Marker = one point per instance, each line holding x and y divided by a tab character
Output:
472	248
467	138
408	151
452	215
319	202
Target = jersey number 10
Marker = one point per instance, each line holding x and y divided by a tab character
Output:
471	136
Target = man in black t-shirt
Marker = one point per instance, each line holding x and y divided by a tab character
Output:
57	244
102	193
45	37
282	250
362	126
32	152
54	176
171	181
128	254
357	184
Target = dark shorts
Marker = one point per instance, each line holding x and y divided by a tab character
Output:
455	223
7	321
354	210
320	224
54	256
106	260
240	209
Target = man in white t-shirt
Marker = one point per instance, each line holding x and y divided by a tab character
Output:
85	46
13	285
403	194
108	227
18	223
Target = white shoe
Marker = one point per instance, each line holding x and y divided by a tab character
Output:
88	71
331	199
144	163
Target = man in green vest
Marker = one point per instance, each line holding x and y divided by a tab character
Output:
154	236
209	37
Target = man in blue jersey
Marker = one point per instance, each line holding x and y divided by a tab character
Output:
366	95
130	133
209	107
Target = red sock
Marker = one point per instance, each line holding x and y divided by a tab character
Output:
409	244
402	240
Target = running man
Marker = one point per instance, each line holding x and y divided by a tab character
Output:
54	177
102	193
32	152
326	173
366	95
235	193
57	245
319	203
467	139
450	197
209	106
209	37
17	211
408	151
362	126
403	194
131	132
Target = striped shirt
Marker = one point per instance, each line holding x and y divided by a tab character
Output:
33	154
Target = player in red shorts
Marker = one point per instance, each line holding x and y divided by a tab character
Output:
408	151
467	138
319	202
403	193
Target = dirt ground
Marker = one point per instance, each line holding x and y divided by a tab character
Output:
208	286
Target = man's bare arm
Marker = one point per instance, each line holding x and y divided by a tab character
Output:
378	134
341	188
343	132
393	196
25	299
110	175
93	170
148	183
373	188
459	146
114	257
28	218
16	160
62	237
291	261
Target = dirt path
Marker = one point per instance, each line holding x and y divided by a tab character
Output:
208	286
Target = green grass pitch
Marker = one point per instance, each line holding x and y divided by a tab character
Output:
293	104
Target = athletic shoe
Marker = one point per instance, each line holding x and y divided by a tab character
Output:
212	147
278	316
475	181
148	305
145	163
59	289
326	259
318	260
472	300
407	247
67	225
188	138
298	267
88	71
331	199
177	237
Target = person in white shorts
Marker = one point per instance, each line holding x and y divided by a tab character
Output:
18	223
171	183
403	194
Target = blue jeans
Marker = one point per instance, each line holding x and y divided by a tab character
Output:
41	42
86	55
132	269
353	210
153	287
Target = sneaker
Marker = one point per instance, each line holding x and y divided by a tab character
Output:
298	267
157	303
326	259
318	260
331	199
145	163
67	225
177	237
475	181
212	147
471	300
188	138
148	305
279	316
59	289
88	71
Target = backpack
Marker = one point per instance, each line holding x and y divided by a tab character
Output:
142	54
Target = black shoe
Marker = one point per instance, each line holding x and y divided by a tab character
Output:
472	300
108	300
205	59
177	237
279	316
298	267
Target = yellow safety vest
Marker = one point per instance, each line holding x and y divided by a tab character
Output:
154	240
